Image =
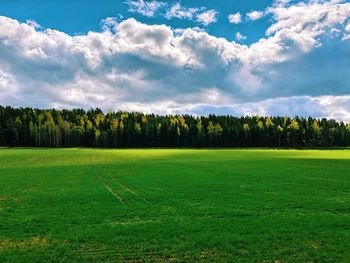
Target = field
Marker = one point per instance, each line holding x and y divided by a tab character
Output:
174	205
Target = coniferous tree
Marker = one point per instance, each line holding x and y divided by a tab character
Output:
93	128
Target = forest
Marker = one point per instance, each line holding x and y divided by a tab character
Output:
94	128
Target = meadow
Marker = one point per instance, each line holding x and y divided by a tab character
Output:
174	205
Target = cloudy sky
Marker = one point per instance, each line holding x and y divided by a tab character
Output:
192	56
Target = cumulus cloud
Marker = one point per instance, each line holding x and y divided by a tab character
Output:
208	17
332	107
347	28
33	24
294	69
239	36
199	14
146	8
181	12
110	23
235	18
281	3
313	17
153	8
255	15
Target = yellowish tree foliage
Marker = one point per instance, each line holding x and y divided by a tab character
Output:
199	126
246	127
98	119
89	125
121	126
279	129
173	121
210	128
114	124
315	127
294	125
348	127
268	122
123	116
137	128
182	122
81	121
97	134
200	130
178	131
19	122
214	130
144	119
218	129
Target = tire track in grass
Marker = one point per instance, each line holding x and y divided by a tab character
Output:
124	187
109	188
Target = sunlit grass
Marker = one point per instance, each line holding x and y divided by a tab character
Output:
180	205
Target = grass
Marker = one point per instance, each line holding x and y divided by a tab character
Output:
174	205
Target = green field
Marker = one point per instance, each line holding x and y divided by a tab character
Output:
174	205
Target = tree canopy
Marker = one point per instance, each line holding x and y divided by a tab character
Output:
93	128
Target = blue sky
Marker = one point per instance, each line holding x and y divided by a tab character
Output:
261	57
80	16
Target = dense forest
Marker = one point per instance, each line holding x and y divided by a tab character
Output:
93	128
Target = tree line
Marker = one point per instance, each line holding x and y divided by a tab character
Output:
93	128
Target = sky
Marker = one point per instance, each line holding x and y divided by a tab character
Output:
257	57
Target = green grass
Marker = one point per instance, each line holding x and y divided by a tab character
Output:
180	205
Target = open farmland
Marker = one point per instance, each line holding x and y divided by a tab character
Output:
179	205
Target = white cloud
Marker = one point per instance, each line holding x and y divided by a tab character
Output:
255	15
200	14
208	17
180	12
33	24
240	37
110	23
146	8
347	28
332	107
311	17
134	65
8	86
180	31
281	3
235	18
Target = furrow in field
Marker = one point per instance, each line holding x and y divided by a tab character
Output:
109	188
122	186
125	187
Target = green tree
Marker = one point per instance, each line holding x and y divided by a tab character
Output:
246	129
200	135
279	131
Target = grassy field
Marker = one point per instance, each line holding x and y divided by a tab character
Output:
178	205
